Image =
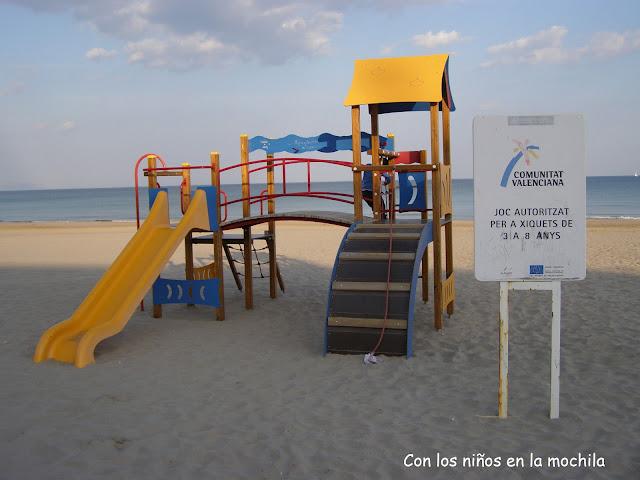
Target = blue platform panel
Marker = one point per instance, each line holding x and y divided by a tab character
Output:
211	192
412	192
325	143
153	193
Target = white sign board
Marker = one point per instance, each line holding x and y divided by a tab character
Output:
529	197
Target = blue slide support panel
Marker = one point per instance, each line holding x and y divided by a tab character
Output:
197	292
194	292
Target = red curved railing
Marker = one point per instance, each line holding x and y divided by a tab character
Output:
226	202
135	181
260	165
283	162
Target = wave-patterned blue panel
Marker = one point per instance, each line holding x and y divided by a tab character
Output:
196	292
325	142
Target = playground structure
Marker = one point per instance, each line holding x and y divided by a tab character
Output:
375	276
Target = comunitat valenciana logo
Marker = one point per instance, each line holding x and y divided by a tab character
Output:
529	177
524	151
522	174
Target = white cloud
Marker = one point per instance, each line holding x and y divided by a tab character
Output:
294	24
98	54
610	44
65	126
438	39
547	46
544	46
13	88
174	34
175	52
316	38
552	37
68	125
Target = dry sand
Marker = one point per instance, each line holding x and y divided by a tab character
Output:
252	397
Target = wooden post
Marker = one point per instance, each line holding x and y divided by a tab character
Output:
375	160
248	269
424	217
356	145
185	199
391	198
246	187
152	177
246	212
437	251
448	228
185	188
392	187
217	235
423	161
271	207
446	135
152	180
437	241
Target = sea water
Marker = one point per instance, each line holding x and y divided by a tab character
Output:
607	197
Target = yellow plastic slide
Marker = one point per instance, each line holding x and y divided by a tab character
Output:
109	306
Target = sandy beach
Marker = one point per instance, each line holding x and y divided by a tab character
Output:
252	397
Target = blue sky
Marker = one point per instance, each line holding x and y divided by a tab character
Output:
87	87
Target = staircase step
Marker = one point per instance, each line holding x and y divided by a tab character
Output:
386	230
362	340
369	304
385	235
395	256
380	245
367	323
374	271
386	226
372	286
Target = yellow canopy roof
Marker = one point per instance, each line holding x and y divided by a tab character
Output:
401	84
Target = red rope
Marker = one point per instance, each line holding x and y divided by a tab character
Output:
386	297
